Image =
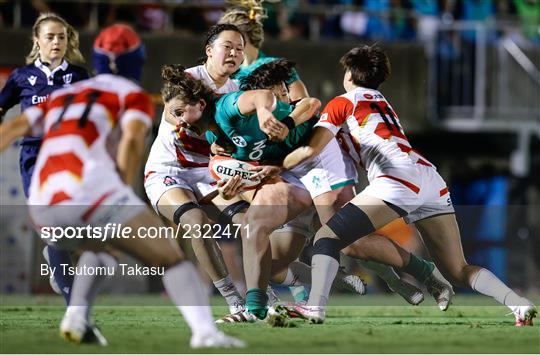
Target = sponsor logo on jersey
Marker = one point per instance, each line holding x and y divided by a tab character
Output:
67	78
239	141
371	97
38	99
32	80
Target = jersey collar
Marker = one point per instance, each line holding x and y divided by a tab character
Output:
48	73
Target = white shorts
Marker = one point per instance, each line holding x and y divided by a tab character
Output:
328	171
117	207
301	224
420	191
197	180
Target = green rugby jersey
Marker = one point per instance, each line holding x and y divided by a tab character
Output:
243	132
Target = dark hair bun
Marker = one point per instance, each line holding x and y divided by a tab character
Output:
172	73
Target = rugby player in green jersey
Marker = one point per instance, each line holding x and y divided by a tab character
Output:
238	119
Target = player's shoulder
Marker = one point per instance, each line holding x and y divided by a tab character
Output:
229	98
195	71
21	73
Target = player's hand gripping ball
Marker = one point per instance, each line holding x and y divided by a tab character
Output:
224	168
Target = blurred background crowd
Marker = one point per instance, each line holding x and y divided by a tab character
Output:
385	20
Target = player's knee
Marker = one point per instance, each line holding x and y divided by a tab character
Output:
328	246
226	216
350	223
189	213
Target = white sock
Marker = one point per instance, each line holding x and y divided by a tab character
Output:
99	269
298	274
229	291
323	272
488	284
385	272
187	293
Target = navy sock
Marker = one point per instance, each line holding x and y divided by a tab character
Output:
56	258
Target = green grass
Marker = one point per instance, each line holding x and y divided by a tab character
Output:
370	324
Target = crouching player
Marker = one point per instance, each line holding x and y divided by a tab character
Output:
93	142
402	184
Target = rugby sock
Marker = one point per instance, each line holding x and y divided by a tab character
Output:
257	302
298	275
420	269
98	269
300	294
323	272
55	259
186	291
385	272
488	284
229	291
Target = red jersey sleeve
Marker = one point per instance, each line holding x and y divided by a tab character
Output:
138	106
335	114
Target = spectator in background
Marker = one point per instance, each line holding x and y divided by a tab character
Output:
152	17
381	20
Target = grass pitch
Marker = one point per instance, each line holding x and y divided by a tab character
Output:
368	324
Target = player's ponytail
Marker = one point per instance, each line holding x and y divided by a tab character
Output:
247	15
73	54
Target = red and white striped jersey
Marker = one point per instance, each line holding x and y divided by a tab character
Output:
180	147
370	131
81	127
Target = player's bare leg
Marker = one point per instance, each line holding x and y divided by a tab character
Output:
359	218
179	205
274	203
177	273
442	238
230	249
369	250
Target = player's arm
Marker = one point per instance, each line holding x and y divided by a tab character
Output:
333	116
319	139
304	110
13	129
297	90
10	94
263	102
130	149
135	123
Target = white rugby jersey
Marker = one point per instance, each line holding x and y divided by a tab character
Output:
370	131
81	126
180	147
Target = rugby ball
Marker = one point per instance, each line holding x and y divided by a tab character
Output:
224	168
